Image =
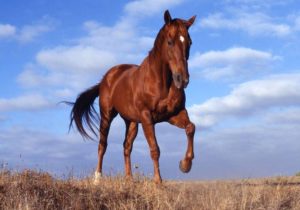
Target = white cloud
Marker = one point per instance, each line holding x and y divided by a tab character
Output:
257	4
29	32
297	23
63	93
7	30
255	150
83	59
281	90
149	7
34	146
31	77
24	102
67	67
121	40
289	116
56	81
255	24
233	63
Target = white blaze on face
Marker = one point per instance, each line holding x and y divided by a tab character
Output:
181	38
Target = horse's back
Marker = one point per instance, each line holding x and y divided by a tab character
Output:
116	88
114	74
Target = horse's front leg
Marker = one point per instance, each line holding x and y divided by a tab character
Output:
162	106
182	121
149	132
168	104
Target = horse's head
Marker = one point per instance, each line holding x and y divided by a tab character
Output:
176	45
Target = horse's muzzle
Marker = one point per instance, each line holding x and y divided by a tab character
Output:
179	81
186	82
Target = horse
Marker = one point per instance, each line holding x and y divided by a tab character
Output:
149	93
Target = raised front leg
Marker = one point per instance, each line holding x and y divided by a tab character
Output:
149	132
175	97
131	132
182	121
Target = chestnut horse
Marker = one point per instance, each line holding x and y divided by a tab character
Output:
148	94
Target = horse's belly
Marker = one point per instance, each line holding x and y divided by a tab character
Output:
127	112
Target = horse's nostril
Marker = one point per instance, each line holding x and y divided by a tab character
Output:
178	80
178	77
187	81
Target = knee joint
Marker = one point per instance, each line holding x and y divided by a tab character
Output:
190	129
127	148
155	153
102	144
127	152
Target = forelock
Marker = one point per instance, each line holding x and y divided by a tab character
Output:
178	26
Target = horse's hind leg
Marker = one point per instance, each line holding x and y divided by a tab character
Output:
107	115
131	132
182	121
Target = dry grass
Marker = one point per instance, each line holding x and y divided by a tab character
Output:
37	190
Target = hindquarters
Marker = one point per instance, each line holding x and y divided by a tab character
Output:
83	113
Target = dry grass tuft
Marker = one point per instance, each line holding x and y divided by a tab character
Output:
38	190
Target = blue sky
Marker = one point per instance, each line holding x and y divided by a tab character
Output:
244	91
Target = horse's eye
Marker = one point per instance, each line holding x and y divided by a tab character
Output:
170	43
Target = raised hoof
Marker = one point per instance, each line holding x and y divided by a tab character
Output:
185	165
97	178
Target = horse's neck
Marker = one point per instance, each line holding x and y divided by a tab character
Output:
158	70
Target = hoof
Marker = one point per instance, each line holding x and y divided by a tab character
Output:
185	165
158	182
129	178
97	178
157	179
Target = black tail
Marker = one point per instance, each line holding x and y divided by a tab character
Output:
83	112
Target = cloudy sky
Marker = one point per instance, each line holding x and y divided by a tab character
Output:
243	96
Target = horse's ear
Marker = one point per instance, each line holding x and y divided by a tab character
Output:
167	17
190	21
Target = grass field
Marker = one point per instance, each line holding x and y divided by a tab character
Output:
38	190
